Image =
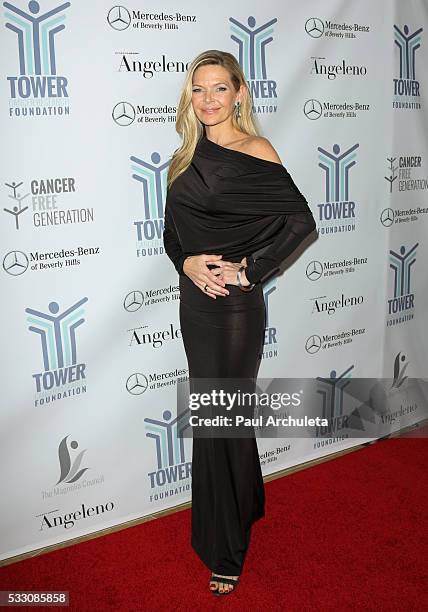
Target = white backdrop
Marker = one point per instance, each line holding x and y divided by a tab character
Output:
92	351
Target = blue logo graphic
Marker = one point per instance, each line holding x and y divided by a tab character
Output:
331	391
252	42
153	180
270	340
35	35
337	206
406	84
57	332
402	265
170	453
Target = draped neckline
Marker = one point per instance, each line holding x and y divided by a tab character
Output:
214	147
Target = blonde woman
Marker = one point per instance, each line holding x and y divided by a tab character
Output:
232	215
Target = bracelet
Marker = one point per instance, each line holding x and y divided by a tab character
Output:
238	276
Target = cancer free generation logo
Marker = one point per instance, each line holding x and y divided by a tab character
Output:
252	40
63	375
37	89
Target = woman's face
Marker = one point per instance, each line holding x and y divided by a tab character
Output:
213	95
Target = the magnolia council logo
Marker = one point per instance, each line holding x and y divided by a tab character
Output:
70	468
400	366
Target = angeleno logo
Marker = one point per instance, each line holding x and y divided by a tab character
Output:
38	77
51	519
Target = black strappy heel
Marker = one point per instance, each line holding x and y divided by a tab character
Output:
217	578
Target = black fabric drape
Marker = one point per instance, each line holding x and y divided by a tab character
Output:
231	203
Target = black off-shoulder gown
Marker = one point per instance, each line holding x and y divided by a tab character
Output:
236	205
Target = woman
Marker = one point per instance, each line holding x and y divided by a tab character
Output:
232	214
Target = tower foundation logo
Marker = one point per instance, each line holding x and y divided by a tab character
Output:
337	212
406	86
402	303
252	41
62	375
152	178
38	88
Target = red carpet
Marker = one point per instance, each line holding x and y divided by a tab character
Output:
348	534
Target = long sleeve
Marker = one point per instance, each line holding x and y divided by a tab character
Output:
295	229
172	243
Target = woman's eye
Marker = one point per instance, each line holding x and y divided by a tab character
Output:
222	88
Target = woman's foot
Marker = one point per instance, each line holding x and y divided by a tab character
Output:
219	587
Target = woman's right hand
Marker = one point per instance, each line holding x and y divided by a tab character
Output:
195	267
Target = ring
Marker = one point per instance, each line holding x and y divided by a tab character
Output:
205	288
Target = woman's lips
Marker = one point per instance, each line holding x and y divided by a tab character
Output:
210	110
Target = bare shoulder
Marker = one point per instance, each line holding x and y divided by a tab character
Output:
259	146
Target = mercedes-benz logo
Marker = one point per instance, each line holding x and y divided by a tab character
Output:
387	217
119	18
314	27
15	263
133	301
313	344
123	113
314	270
312	109
137	384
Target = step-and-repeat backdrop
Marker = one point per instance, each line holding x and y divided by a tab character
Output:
92	352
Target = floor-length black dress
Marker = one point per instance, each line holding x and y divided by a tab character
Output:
232	204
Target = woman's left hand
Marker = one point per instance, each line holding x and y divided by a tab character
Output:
227	271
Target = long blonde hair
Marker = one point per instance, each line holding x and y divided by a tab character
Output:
188	125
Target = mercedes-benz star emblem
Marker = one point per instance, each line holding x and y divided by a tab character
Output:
123	113
313	344
133	301
137	384
119	18
15	263
314	270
